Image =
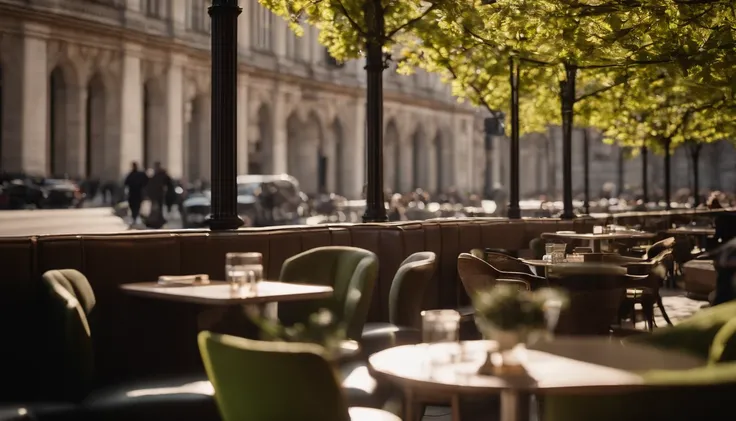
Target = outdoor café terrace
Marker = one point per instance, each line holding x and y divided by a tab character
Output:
144	326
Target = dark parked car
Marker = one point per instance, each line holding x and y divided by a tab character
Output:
263	200
23	192
62	194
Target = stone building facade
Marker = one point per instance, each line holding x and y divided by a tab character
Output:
88	86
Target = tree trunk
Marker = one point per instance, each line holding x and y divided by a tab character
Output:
567	99
645	174
586	172
514	212
667	173
620	171
375	209
695	160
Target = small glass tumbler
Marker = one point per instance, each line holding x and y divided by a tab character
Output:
441	326
243	271
558	253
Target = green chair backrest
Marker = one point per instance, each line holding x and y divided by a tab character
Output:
407	289
351	271
68	299
274	381
694	335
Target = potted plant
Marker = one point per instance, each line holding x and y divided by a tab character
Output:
513	317
321	328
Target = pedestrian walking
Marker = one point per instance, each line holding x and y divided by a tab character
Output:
158	186
135	183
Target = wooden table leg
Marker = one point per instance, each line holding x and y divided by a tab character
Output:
455	405
514	406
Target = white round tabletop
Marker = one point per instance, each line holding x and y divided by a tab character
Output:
590	365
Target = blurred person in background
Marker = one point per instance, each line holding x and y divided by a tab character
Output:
135	183
158	186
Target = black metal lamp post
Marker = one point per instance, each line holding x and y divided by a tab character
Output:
514	212
586	172
567	96
224	208
375	209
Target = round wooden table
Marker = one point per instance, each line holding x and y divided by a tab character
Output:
577	366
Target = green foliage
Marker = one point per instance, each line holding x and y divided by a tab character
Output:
321	328
342	23
510	308
648	71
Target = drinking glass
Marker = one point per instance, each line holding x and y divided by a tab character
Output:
558	253
440	326
243	271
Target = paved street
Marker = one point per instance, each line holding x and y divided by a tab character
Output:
61	221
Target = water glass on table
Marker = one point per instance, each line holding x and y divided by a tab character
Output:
243	271
441	326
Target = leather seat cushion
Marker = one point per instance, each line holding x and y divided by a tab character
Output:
380	336
360	388
177	398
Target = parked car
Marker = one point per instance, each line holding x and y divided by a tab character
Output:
62	194
263	200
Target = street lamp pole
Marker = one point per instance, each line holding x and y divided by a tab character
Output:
224	203
514	212
375	209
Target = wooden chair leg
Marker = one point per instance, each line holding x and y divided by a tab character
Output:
648	310
664	312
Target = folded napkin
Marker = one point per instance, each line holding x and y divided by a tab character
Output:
183	279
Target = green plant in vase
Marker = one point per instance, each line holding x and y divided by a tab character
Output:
321	328
512	317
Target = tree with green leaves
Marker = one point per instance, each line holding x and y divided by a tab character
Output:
666	112
364	28
587	48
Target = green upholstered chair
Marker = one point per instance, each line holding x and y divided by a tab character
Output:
405	305
700	393
276	381
70	304
351	271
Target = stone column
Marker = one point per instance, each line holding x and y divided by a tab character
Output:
279	31
243	123
355	151
178	15
77	130
204	136
131	110
278	156
434	150
174	160
244	19
25	95
134	5
316	48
